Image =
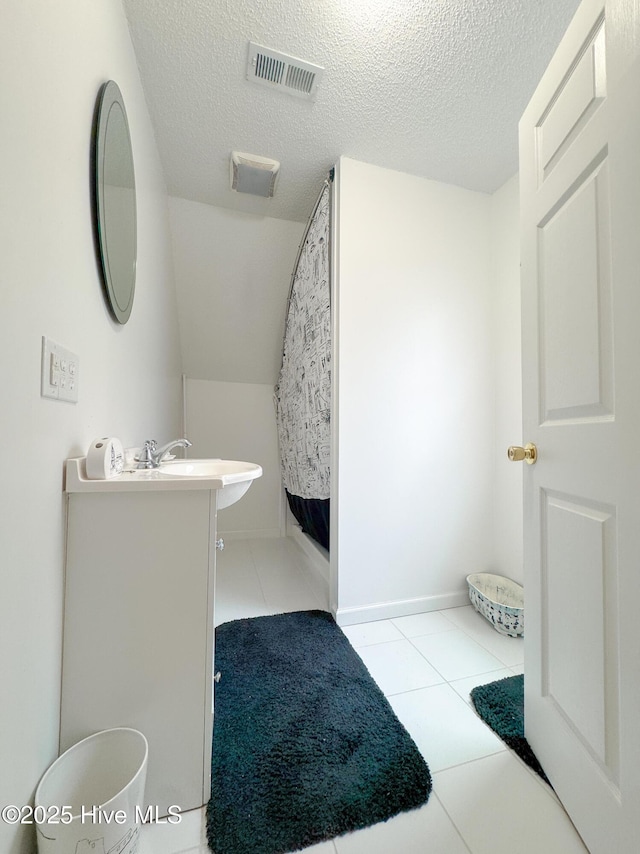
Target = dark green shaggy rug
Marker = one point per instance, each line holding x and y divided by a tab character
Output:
305	745
501	705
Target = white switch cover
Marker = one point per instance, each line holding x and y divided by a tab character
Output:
60	371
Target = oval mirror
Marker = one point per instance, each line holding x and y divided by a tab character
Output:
115	192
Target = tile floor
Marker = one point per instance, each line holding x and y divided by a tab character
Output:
484	799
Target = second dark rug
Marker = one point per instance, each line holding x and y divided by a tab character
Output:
305	745
501	705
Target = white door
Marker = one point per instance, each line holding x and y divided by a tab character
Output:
580	202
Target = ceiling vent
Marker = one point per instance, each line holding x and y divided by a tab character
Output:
253	174
279	71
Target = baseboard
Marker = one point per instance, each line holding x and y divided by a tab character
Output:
399	608
314	552
249	535
314	565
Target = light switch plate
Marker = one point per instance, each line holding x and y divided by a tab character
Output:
60	372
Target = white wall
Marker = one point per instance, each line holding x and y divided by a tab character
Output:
53	59
236	421
414	404
507	372
233	272
459	293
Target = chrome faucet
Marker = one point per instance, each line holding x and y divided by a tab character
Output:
151	456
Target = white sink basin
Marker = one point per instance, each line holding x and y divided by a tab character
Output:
235	475
230	478
231	469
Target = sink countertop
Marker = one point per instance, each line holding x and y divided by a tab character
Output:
145	480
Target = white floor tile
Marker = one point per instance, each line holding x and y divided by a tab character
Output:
236	607
500	809
463	687
456	655
235	570
280	597
318	584
189	834
446	731
276	554
228	615
238	589
519	669
365	634
509	650
259	577
423	624
283	583
398	666
235	556
416	832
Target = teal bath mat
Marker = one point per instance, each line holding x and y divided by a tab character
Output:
305	745
501	705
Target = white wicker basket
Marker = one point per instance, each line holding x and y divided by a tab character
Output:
500	600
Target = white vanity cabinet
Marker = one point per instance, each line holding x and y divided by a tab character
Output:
138	623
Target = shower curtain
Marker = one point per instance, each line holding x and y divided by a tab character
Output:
303	391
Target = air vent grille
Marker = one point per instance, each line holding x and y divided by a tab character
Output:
300	79
268	68
279	71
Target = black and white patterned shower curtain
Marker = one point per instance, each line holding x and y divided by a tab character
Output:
303	392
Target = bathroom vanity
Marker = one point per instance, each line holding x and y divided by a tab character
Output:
138	625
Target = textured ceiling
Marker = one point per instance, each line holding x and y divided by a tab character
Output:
430	87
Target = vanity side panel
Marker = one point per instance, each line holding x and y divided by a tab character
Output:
135	634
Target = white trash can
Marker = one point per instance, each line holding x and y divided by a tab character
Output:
89	801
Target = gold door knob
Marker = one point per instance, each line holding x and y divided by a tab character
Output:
529	453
